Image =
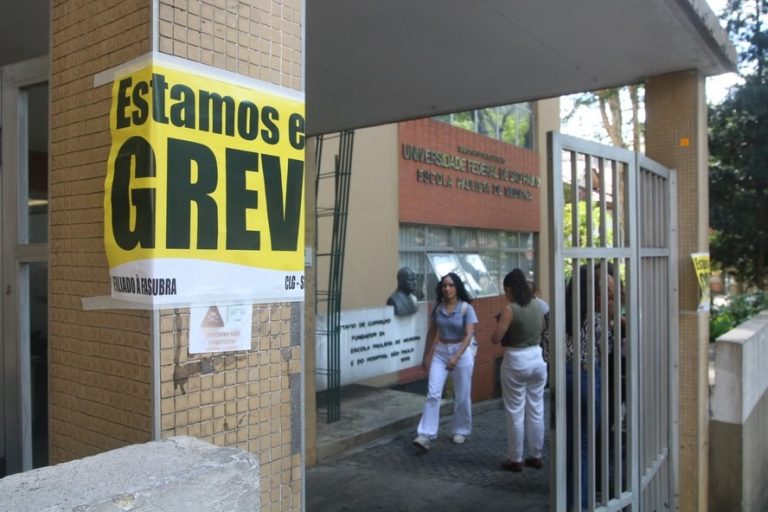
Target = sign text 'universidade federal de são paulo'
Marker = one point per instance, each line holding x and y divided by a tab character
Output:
204	192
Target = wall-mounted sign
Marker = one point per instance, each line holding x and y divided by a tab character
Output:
372	342
220	328
204	194
475	175
703	273
489	183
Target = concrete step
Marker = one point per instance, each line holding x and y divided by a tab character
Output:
366	414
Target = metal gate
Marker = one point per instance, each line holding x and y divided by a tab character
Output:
613	360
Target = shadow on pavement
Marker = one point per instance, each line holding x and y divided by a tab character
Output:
389	475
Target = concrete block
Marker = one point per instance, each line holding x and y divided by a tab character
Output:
740	376
738	453
178	474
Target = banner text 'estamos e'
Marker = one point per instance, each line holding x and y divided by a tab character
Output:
204	196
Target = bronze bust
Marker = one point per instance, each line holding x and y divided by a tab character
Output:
403	299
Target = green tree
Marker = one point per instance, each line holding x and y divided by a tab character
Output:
508	123
738	172
597	223
609	103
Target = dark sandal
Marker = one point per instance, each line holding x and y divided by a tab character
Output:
512	466
533	462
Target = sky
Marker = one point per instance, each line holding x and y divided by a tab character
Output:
586	122
717	86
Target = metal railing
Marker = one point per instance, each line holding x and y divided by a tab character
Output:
330	297
613	231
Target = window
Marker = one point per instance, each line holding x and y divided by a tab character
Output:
512	124
480	257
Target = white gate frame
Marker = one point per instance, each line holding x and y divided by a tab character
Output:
643	228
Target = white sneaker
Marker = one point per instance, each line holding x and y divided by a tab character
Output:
458	439
421	442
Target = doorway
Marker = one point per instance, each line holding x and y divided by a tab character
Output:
24	142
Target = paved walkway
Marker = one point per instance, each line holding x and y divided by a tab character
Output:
389	475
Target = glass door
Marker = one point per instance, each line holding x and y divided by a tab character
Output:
24	127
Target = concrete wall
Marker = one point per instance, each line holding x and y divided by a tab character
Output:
738	429
370	262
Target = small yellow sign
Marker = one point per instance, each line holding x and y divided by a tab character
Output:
703	273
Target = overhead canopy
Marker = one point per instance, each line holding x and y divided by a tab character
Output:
370	62
24	30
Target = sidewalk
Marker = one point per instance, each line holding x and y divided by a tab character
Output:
387	474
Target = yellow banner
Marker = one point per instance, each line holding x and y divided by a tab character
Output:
703	273
204	195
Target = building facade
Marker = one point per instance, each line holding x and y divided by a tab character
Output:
116	374
444	194
83	374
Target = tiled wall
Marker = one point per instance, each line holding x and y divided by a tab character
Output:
251	400
248	399
259	39
100	361
676	137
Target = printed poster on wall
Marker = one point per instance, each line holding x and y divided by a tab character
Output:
372	342
204	195
703	273
220	328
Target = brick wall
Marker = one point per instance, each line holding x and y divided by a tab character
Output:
485	377
429	203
